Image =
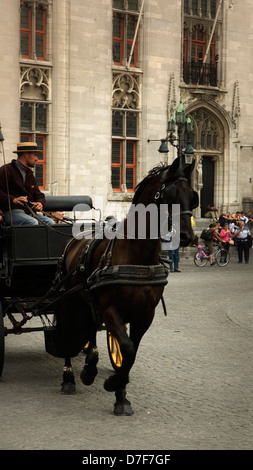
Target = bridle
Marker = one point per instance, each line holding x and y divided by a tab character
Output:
159	195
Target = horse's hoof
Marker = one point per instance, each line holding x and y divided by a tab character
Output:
123	408
68	388
88	377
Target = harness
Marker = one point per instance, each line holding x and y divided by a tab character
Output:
104	275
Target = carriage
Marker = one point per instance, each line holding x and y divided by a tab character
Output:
87	284
29	258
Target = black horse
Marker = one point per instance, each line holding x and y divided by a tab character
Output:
120	281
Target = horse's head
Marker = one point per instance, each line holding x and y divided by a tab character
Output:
177	190
167	185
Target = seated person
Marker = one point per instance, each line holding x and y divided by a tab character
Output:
22	190
214	235
250	217
211	212
225	219
57	216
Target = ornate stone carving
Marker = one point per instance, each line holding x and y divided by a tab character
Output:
34	83
236	108
230	4
125	91
172	96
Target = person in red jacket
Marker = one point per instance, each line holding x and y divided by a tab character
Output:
18	188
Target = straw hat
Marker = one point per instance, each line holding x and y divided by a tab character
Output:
27	147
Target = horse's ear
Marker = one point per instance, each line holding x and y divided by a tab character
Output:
174	166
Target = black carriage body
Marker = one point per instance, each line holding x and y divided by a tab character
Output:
31	253
29	257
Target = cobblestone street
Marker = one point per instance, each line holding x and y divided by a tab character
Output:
191	386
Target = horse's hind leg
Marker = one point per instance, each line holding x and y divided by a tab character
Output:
90	371
68	386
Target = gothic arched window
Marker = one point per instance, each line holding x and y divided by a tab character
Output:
208	133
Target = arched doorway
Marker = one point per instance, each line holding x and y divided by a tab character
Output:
207	191
208	149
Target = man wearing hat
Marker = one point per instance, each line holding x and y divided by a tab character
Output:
18	188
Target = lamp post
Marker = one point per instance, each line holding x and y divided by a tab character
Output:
183	123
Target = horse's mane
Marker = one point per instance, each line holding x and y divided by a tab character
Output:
151	174
176	170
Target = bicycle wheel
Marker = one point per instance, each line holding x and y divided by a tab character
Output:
199	259
222	257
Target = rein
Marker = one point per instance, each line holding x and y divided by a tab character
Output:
50	227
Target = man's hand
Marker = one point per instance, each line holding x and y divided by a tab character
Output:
20	200
37	205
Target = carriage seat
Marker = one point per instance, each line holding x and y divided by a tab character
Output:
31	252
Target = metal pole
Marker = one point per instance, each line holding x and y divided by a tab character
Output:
6	177
135	34
213	28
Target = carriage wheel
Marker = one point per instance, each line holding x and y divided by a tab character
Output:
114	351
1	340
85	348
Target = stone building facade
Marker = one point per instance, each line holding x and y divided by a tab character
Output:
96	82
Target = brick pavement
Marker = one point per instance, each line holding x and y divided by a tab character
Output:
191	385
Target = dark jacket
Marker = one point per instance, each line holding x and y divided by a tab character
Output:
17	187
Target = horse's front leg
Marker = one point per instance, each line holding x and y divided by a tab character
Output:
90	371
68	386
118	381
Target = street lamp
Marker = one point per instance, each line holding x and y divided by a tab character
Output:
183	123
163	147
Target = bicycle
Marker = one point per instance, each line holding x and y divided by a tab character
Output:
220	256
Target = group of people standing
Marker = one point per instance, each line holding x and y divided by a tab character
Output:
228	229
233	229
